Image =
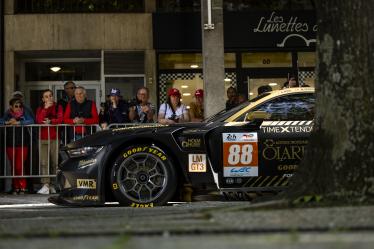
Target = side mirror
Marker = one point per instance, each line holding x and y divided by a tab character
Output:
257	116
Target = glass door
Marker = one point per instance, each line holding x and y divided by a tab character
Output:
92	89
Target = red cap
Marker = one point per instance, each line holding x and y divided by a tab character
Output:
174	92
199	93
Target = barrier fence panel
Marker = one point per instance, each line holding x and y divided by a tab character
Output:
31	151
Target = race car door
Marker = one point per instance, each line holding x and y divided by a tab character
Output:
264	153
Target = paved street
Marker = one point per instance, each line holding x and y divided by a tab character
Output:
33	222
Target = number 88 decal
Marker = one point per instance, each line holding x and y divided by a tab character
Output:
242	154
240	150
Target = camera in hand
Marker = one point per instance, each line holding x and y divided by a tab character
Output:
174	118
133	102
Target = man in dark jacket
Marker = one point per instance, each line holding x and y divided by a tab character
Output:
117	111
69	88
81	111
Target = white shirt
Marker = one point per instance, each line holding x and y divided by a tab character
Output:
169	112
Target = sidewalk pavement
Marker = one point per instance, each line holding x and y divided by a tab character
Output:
10	199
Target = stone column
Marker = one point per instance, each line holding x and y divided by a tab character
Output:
150	74
213	58
8	77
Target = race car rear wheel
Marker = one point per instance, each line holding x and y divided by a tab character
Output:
143	176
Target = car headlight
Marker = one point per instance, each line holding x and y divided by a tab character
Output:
84	151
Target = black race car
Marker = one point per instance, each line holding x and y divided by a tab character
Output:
254	147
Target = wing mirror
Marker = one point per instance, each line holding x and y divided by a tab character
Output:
257	117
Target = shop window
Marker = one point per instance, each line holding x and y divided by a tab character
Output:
188	83
190	61
74	6
250	5
127	85
121	63
180	61
266	60
255	83
62	71
306	59
307	78
178	6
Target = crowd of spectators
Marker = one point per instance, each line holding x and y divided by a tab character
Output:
81	114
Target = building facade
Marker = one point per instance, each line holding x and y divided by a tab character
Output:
127	44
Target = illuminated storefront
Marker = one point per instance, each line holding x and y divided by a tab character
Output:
261	48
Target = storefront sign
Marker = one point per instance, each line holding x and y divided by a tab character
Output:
270	29
256	29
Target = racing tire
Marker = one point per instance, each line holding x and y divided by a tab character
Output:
143	176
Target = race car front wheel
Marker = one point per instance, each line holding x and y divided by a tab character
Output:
143	176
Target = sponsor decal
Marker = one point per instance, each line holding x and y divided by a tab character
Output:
84	163
284	150
240	154
115	186
197	163
191	143
240	171
287	126
239	180
147	149
287	167
230	180
86	183
137	205
287	175
135	127
86	198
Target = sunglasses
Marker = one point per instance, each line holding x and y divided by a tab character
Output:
17	106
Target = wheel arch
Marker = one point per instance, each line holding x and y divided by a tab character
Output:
105	187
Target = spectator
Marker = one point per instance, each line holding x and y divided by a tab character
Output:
17	141
264	89
48	113
197	108
241	98
292	82
173	111
69	88
232	98
117	111
28	111
142	111
80	111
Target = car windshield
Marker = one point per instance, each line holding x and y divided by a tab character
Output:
226	113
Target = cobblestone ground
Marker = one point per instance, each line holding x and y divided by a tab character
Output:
200	224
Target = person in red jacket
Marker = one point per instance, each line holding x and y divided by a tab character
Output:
80	110
48	113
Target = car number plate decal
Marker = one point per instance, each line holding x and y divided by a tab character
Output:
196	162
240	154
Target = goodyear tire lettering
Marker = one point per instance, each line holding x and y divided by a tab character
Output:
115	186
137	205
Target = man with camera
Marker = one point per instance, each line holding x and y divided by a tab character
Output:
173	111
117	111
141	111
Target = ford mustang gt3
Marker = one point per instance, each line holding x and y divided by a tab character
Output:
253	148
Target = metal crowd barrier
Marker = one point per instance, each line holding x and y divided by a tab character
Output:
30	137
